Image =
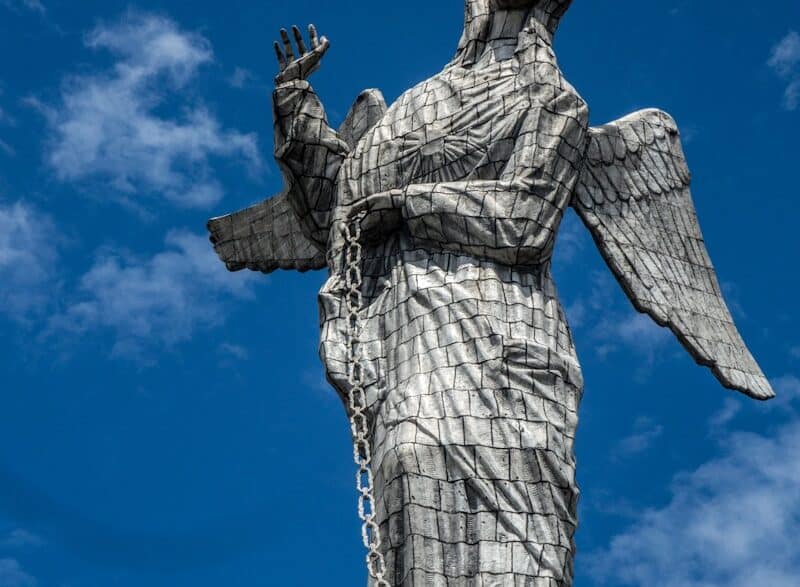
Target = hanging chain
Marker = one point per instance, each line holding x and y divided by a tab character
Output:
362	448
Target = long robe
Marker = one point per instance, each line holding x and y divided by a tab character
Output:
473	384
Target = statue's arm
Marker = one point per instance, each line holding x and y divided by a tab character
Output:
500	220
269	236
309	152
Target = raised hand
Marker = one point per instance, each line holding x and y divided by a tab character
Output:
307	62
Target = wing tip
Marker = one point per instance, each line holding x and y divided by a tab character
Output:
753	385
762	394
220	234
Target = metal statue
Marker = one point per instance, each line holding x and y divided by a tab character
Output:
441	325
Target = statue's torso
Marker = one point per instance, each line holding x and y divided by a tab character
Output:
470	375
459	125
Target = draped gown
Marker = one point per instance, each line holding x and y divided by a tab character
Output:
473	382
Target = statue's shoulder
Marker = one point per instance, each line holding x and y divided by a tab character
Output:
546	85
421	95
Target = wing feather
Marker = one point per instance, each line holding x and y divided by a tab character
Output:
264	237
634	197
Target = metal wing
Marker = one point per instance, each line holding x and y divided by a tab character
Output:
268	236
366	112
265	237
634	197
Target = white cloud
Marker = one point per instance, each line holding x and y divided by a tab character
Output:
28	259
109	126
5	119
787	389
733	522
785	61
786	54
608	323
645	432
731	408
32	5
21	538
620	326
241	77
791	96
640	330
12	575
604	314
161	300
233	351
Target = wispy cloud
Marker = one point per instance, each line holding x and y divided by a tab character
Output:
21	538
109	126
242	77
5	119
32	5
156	301
730	523
233	351
727	414
12	574
612	324
645	432
28	259
787	389
639	329
604	314
785	61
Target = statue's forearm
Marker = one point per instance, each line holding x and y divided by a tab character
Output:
291	101
310	154
503	220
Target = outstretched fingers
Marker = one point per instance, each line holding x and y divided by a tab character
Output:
318	44
287	45
282	63
323	46
298	38
312	33
302	62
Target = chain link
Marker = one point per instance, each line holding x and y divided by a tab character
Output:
359	425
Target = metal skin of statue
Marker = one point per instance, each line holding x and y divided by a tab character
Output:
436	218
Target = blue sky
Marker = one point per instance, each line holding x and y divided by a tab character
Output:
163	423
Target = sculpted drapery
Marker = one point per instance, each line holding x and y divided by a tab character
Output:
472	380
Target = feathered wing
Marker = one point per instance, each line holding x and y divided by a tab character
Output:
268	236
634	197
366	112
264	237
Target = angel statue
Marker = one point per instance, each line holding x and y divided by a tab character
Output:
441	326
